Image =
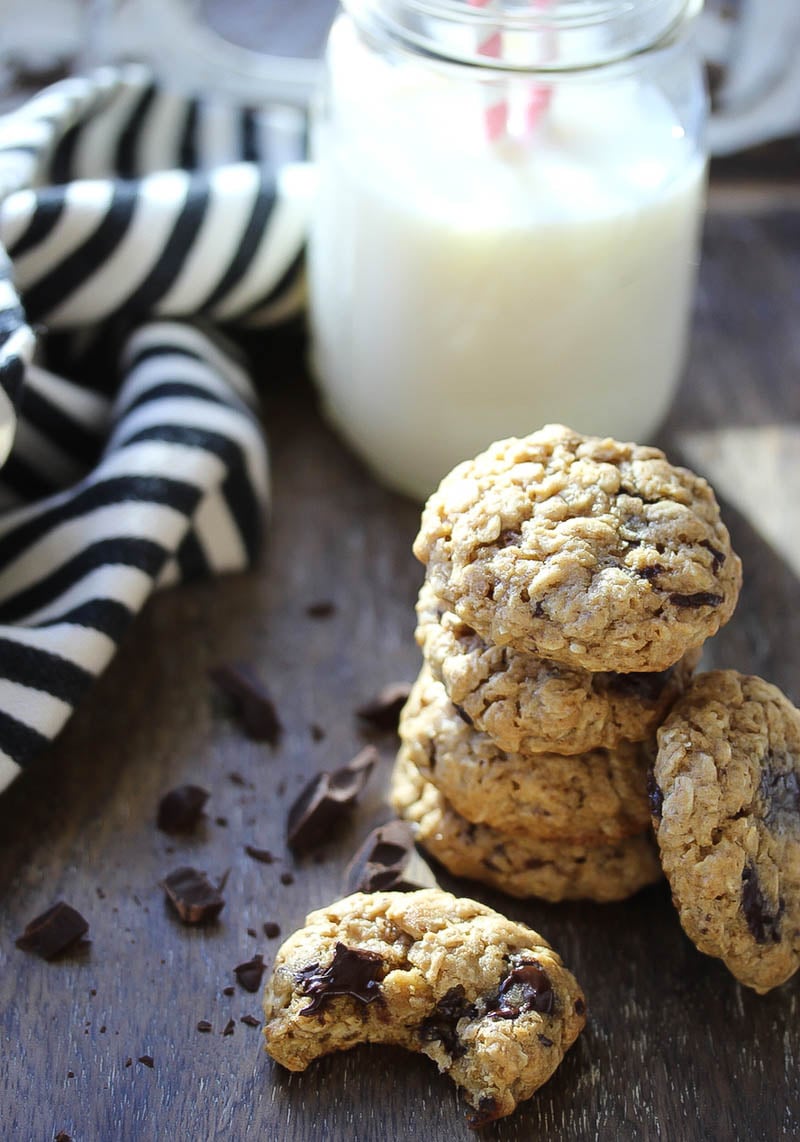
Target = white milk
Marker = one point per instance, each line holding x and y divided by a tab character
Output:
463	291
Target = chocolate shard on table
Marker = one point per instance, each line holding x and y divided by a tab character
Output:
195	899
180	810
249	973
251	702
55	930
326	801
388	861
383	711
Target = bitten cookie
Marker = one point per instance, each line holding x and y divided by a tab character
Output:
726	803
532	705
513	863
486	998
586	551
597	797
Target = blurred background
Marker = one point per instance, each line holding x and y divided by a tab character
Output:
751	48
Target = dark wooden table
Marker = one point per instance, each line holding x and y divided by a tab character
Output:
674	1048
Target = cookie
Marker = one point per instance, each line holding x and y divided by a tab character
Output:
484	997
530	705
513	863
586	551
597	797
726	801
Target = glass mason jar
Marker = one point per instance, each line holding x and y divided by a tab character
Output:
506	232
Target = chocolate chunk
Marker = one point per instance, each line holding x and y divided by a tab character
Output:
487	1111
250	1021
717	557
272	930
193	896
387	861
525	988
263	856
321	610
654	796
762	920
441	1026
352	972
326	800
580	1007
779	789
250	700
646	686
383	712
545	1040
462	713
147	1060
53	932
204	1026
250	972
229	1027
180	810
650	572
699	599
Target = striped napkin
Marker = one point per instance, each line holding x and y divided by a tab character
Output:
138	228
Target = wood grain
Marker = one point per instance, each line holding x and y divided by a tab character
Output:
675	1049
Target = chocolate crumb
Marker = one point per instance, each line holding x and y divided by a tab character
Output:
93	991
62	1136
147	1060
251	932
229	990
70	1074
103	1029
251	702
250	1021
383	711
129	1061
272	930
287	878
204	1026
100	893
55	930
236	779
229	1027
387	861
193	896
326	800
321	610
250	972
264	856
317	732
352	972
180	810
221	821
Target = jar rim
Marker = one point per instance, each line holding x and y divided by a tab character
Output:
551	36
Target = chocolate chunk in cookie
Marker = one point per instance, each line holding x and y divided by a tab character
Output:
728	822
484	997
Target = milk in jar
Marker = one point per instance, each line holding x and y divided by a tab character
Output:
466	288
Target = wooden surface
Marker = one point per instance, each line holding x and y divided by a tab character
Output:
674	1049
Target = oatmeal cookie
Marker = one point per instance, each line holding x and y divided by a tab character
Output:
531	705
484	997
596	797
586	551
513	863
726	807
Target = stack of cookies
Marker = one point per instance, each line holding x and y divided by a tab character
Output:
571	582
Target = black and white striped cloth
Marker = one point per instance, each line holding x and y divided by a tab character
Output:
134	222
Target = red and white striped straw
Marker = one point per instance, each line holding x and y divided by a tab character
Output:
497	110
